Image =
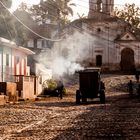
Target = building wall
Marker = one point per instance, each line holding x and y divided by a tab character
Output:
7	64
1	63
104	35
20	63
103	42
28	88
100	12
12	62
100	8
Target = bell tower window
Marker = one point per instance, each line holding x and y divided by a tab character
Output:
99	6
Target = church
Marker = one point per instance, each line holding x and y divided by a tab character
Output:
112	45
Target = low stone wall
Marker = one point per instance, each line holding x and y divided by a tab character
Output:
3	99
8	92
11	92
111	67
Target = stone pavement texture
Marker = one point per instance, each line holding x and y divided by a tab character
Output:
56	119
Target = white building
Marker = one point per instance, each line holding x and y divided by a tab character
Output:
13	60
14	69
111	45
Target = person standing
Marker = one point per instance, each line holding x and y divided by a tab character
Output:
138	90
137	77
130	87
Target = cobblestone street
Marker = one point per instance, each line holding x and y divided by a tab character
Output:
56	119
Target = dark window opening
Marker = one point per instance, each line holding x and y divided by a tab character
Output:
98	60
99	6
127	36
98	30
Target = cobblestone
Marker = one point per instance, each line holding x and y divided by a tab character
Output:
55	119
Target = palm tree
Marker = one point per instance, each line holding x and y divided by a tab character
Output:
56	11
81	16
65	10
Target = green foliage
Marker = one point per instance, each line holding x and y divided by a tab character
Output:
64	91
50	84
6	26
10	28
22	33
81	16
7	3
53	87
130	13
53	11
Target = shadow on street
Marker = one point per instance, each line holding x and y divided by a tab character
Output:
117	119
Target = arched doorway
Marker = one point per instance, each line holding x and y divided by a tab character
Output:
127	60
98	60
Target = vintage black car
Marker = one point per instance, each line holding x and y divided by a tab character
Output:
90	85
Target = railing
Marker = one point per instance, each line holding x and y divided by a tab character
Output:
6	74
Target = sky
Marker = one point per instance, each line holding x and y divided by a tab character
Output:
82	5
15	3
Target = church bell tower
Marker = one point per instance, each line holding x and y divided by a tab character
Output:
100	7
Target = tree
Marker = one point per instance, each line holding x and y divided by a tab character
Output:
23	22
7	3
82	16
52	11
130	13
6	25
65	10
21	33
10	27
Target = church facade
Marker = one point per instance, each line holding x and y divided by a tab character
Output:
114	46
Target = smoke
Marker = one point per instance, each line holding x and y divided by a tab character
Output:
66	55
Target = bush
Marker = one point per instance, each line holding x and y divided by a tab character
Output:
53	88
